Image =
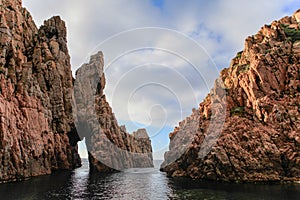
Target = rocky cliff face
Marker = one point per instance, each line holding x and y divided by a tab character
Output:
110	146
37	130
258	137
38	112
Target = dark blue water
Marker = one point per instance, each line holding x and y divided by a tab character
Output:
138	184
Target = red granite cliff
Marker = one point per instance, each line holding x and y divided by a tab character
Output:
39	129
37	132
248	128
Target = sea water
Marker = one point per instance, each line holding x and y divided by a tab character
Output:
148	183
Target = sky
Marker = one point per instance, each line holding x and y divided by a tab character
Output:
161	56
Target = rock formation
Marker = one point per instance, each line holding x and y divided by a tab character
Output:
110	146
37	130
258	138
38	116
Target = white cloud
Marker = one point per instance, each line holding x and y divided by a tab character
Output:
147	78
92	21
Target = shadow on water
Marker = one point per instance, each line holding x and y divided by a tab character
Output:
147	183
34	187
191	189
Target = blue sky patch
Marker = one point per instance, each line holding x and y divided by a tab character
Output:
158	3
292	7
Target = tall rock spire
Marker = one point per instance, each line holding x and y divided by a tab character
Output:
110	147
37	131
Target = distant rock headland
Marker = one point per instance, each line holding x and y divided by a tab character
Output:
259	99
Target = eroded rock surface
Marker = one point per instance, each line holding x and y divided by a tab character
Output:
37	130
259	97
110	146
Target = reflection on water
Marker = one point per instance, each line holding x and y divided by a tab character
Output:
143	184
76	187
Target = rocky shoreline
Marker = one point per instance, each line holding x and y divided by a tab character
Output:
246	130
38	131
258	137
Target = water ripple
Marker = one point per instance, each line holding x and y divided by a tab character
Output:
138	184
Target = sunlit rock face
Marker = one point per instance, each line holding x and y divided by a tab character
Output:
37	130
297	16
109	145
259	97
